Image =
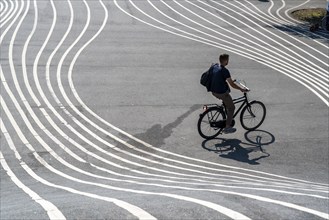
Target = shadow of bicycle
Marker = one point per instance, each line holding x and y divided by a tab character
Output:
250	151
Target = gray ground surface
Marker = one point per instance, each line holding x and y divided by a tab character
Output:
145	81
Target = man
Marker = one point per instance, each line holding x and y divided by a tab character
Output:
221	77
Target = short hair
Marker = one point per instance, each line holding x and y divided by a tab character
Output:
223	57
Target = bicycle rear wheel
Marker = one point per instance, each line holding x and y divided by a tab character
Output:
325	23
253	115
210	121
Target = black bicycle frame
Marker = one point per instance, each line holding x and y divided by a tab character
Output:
242	99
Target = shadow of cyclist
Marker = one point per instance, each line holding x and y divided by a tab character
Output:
235	149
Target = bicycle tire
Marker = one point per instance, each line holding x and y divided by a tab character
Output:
253	115
211	115
324	23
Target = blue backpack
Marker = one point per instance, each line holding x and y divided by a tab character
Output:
206	77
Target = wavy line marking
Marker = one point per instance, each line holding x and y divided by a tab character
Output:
6	15
159	185
208	42
52	211
50	208
90	112
27	105
294	30
228	212
78	112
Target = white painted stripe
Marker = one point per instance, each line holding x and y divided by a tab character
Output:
27	105
93	134
269	36
205	41
4	32
85	118
35	134
230	183
228	212
225	211
81	125
221	209
301	32
26	81
296	71
49	207
289	10
134	210
29	125
46	115
52	211
9	13
261	18
55	155
259	52
130	136
278	13
166	152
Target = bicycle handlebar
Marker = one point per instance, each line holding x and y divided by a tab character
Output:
244	86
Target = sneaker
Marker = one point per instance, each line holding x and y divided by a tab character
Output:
229	130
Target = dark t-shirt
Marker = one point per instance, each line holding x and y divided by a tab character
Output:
219	76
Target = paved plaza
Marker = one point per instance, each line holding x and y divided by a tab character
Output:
100	102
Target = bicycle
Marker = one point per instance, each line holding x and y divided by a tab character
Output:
325	23
213	120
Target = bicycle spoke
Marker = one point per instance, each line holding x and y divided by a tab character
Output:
207	122
253	115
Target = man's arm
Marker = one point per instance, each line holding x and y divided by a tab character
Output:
235	86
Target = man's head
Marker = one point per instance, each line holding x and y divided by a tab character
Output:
223	59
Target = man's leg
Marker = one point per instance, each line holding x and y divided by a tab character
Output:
230	107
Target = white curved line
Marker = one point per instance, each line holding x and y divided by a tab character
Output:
273	25
204	41
216	207
3	33
24	98
50	208
52	211
98	138
9	14
48	105
300	32
287	12
4	10
26	81
106	132
279	15
323	85
1	8
229	184
148	145
93	134
55	156
72	65
221	209
260	51
320	71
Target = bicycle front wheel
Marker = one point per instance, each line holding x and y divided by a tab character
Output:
253	115
209	123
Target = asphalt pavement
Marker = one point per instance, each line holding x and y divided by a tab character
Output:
100	103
